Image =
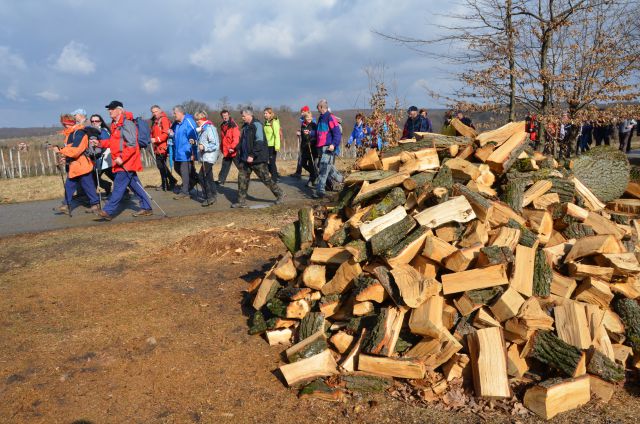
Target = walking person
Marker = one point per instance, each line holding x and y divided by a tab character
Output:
78	166
102	156
308	151
328	138
160	127
253	156
585	137
125	153
185	153
209	150
273	133
625	129
360	132
415	123
230	138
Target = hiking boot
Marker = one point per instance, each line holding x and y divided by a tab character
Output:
295	175
103	216
62	209
95	209
208	202
181	196
142	212
280	199
239	205
317	195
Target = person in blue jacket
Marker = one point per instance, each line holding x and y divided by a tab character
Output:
361	132
185	152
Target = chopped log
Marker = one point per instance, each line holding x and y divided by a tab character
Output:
318	389
571	324
390	367
538	189
390	202
358	248
281	336
524	267
426	319
590	200
503	157
350	362
443	178
450	232
594	291
314	276
516	364
346	196
581	271
593	245
330	255
473	300
603	367
437	249
474	279
577	231
614	325
463	170
484	319
633	189
308	347
493	255
383	274
289	235
527	237
482	207
358	177
457	209
362	308
332	225
382	338
365	383
343	278
555	396
413	287
500	135
463	129
449	316
257	323
368	191
551	350
427	267
435	352
505	237
311	324
371	228
455	366
483	153
306	220
267	290
320	365
341	341
507	305
629	312
622	353
419	161
298	309
628	289
602	225
562	286
540	222
623	264
285	269
369	161
631	206
607	161
461	259
369	289
545	201
501	215
601	389
489	363
542	275
392	235
476	233
513	194
407	249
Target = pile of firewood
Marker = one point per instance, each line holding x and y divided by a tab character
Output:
469	258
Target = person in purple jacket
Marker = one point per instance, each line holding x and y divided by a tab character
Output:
328	136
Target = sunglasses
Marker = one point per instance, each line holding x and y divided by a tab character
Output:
96	121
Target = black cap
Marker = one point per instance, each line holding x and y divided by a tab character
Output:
413	109
114	104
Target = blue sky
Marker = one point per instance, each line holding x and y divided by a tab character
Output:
56	56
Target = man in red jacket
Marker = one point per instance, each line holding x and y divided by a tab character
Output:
230	137
160	126
125	153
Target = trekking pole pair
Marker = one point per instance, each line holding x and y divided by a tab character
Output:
202	183
59	167
164	214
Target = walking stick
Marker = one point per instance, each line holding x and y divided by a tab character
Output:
142	188
64	186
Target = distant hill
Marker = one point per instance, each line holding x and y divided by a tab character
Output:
7	132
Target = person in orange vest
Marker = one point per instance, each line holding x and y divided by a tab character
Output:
79	167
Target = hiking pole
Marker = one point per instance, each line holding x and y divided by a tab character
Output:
164	214
64	186
98	181
204	189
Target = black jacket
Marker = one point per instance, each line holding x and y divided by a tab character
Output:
252	143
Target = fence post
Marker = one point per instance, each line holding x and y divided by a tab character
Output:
41	162
49	169
4	166
19	165
11	162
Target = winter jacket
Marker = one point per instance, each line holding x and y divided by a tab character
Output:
160	134
252	143
308	141
123	144
272	133
358	134
328	132
209	139
76	144
183	132
419	124
230	138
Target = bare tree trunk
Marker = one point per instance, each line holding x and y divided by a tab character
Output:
512	62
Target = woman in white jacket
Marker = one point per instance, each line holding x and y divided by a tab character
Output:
209	150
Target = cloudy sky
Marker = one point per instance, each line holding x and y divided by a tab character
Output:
58	55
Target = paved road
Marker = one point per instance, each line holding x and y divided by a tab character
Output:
29	217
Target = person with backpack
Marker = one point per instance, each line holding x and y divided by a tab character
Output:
253	157
209	149
328	138
184	150
125	153
160	126
273	133
102	157
77	163
230	139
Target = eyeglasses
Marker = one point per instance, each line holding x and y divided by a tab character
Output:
95	121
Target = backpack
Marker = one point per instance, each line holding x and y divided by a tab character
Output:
144	132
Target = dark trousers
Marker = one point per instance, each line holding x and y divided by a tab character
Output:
206	180
187	172
244	177
273	169
226	166
88	185
121	182
307	162
624	139
168	180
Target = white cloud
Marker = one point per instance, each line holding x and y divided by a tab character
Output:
11	62
150	85
49	95
74	60
12	93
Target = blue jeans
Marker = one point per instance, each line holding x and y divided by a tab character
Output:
87	183
326	170
121	181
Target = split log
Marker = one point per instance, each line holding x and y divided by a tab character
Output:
631	206
502	214
308	347
545	201
285	269
484	319
358	248
437	249
493	255
571	324
507	305
524	268
390	202
426	319
503	157
362	308
311	324
341	341
581	271
413	287
443	178
318	389
371	228
474	279
358	177
542	275
489	363
513	194
456	366
500	135
473	300
595	292
267	290
601	161
463	129
562	286
527	237
368	191
343	278
289	235
463	170
604	367
505	237
593	245
424	140
590	200
482	207
314	276
476	233
516	365
538	189
601	389
624	264
457	209
369	289
280	336
407	249
552	397
369	161
306	220
350	362
419	161
298	309
320	365
390	367
483	153
392	235
330	255
551	350
629	312
382	338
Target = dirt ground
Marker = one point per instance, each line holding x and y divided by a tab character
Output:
145	324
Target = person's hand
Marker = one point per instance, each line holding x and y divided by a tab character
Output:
232	150
193	157
56	149
201	147
332	147
306	131
192	141
171	133
119	161
249	159
298	132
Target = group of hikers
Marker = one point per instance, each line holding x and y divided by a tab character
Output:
94	149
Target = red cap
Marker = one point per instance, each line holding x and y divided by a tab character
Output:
305	108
